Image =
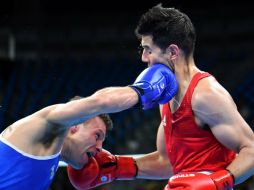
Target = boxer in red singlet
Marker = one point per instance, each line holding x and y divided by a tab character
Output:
203	143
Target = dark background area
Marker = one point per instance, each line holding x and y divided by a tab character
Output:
53	50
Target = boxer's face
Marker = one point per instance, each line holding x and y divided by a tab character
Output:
152	53
86	140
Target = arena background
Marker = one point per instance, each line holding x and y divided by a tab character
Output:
53	50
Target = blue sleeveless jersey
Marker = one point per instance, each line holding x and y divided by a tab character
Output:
22	171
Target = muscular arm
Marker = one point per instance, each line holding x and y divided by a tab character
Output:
214	106
56	119
107	100
155	165
156	84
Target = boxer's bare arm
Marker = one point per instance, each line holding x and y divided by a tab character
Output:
107	100
227	125
155	165
55	120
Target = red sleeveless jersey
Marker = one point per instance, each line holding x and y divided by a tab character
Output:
189	147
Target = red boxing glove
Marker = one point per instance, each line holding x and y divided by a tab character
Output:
221	180
101	169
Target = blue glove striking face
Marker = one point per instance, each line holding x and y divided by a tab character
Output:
156	84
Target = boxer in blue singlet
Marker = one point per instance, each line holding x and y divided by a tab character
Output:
31	148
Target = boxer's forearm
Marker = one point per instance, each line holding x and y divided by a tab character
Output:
107	100
115	99
240	167
153	166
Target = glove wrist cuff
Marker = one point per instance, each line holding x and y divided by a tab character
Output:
138	91
233	177
127	168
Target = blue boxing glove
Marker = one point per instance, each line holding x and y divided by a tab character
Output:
156	84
